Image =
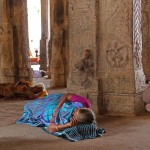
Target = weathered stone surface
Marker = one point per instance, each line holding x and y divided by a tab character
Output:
15	63
146	37
95	48
59	43
122	104
112	31
44	34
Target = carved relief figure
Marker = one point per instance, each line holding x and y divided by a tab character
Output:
117	56
84	69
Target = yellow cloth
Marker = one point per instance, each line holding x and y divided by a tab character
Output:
43	94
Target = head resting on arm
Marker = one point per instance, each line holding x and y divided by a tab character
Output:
86	116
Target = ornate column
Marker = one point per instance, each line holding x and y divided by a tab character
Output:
120	58
58	43
21	41
146	37
6	44
44	35
111	73
83	46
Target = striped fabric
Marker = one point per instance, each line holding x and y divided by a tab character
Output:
79	132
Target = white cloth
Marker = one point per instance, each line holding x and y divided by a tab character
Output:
37	74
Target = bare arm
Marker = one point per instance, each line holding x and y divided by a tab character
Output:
55	128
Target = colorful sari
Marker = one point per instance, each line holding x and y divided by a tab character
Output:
39	112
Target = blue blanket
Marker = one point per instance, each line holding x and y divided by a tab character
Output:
39	112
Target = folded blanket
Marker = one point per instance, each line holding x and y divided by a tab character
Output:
78	132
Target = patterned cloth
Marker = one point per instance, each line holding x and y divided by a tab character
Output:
79	132
39	112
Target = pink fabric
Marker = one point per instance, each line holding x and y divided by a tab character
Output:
147	107
84	101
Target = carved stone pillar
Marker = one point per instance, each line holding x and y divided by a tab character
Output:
6	42
83	39
21	41
44	35
111	30
15	63
146	37
120	61
59	49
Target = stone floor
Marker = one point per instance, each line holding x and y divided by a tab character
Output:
123	133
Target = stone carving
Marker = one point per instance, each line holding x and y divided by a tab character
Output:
83	72
138	56
71	4
117	57
117	20
137	45
137	36
1	31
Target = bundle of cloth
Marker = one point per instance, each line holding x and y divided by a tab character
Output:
39	73
22	90
38	113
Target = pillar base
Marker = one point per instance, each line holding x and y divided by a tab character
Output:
8	75
122	105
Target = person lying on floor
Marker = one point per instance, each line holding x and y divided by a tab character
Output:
62	114
58	111
80	114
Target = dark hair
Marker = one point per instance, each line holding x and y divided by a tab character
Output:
147	81
86	116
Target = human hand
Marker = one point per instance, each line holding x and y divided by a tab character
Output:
74	121
53	127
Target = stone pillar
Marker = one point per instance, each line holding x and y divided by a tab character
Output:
59	49
21	41
83	39
112	76
120	60
15	63
44	34
6	44
25	70
146	37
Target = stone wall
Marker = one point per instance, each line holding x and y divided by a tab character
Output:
146	37
59	43
6	44
120	56
83	35
111	30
